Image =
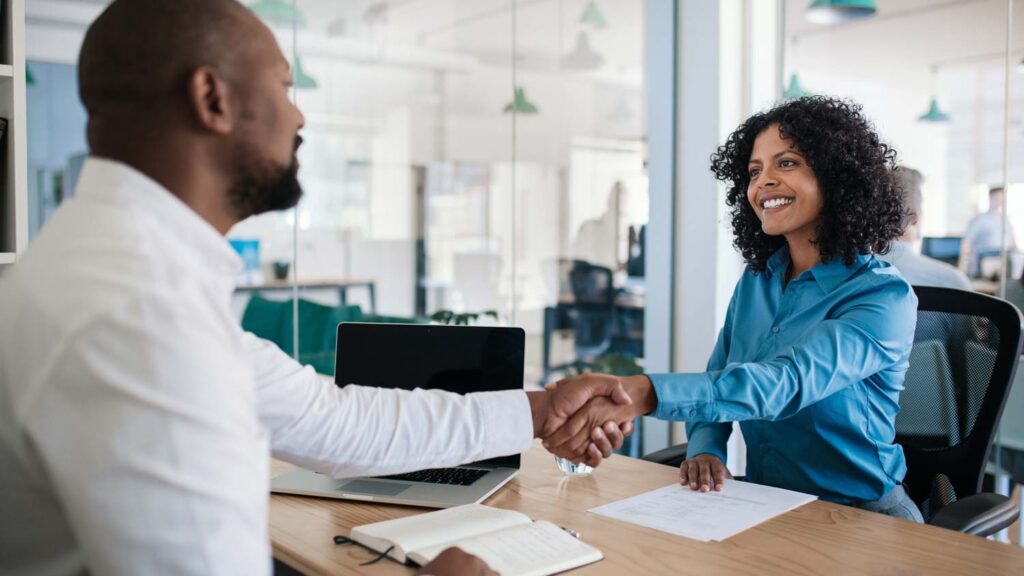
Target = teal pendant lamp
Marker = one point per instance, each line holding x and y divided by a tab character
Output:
934	114
592	16
520	104
840	11
30	78
280	12
300	77
795	90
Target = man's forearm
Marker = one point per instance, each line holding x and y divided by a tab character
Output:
539	406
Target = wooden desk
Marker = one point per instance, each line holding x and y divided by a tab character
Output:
819	538
340	284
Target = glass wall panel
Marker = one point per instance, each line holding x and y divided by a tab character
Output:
933	78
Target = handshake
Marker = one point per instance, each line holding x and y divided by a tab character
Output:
585	417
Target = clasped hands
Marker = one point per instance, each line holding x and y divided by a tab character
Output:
585	418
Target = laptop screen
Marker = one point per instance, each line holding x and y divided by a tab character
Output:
460	359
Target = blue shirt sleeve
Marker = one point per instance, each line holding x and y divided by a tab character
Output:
713	437
871	332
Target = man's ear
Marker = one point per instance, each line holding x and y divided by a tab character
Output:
209	100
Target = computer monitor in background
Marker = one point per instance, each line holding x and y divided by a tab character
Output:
946	249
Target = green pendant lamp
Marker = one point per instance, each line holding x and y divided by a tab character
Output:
840	11
30	79
592	16
934	114
795	90
280	12
300	77
520	104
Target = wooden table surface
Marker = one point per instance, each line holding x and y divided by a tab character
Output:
819	538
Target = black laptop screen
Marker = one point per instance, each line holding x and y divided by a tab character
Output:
458	359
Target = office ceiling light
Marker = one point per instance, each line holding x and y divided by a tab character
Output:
279	12
934	114
795	90
520	104
583	57
840	11
592	16
300	77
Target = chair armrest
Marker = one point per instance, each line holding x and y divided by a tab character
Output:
979	514
671	456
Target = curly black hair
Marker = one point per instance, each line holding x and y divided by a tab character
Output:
863	203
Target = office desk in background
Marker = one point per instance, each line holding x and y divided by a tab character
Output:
819	538
340	284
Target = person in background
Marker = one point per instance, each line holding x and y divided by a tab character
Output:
918	269
137	419
817	338
984	235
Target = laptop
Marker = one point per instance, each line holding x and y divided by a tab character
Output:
461	359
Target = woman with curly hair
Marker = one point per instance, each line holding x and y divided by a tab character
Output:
817	338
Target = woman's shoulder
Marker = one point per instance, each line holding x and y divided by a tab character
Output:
877	279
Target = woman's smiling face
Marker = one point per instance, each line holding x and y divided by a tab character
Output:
783	189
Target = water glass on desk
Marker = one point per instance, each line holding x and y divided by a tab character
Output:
570	469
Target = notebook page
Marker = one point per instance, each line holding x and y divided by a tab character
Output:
438	527
536	549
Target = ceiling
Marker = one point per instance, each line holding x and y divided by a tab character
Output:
543	30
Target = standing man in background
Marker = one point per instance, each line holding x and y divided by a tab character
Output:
984	235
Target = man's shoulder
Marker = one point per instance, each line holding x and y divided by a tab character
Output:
921	270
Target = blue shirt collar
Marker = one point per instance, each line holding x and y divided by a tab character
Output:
828	275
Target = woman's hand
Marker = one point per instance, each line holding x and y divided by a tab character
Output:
701	470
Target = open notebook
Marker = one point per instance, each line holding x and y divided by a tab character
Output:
508	541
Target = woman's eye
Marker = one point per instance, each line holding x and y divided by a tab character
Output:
754	172
787	163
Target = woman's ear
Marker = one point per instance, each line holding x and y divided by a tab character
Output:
209	100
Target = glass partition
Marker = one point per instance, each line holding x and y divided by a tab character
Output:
933	78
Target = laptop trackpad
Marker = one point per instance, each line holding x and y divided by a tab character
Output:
371	487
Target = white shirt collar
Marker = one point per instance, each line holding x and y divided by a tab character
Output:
105	180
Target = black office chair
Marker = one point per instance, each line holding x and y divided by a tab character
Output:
593	310
962	365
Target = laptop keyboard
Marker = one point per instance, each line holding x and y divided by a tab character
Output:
453	476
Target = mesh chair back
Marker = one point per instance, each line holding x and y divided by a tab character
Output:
965	353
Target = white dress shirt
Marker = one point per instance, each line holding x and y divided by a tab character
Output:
137	419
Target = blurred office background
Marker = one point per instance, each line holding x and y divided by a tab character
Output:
543	163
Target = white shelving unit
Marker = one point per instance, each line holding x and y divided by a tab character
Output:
13	147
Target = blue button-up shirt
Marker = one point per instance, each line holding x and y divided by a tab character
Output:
813	371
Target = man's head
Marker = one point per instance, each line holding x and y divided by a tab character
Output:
995	199
909	181
199	87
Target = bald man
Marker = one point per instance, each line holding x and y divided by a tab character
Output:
136	418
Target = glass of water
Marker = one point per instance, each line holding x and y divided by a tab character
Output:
570	469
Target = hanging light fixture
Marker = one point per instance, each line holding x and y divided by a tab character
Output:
300	77
279	12
934	113
840	11
520	104
592	16
582	57
795	90
30	78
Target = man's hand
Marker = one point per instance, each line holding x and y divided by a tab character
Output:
569	441
704	472
455	562
561	400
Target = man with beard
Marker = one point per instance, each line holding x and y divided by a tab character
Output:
136	417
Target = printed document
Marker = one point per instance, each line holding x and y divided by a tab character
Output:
705	516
